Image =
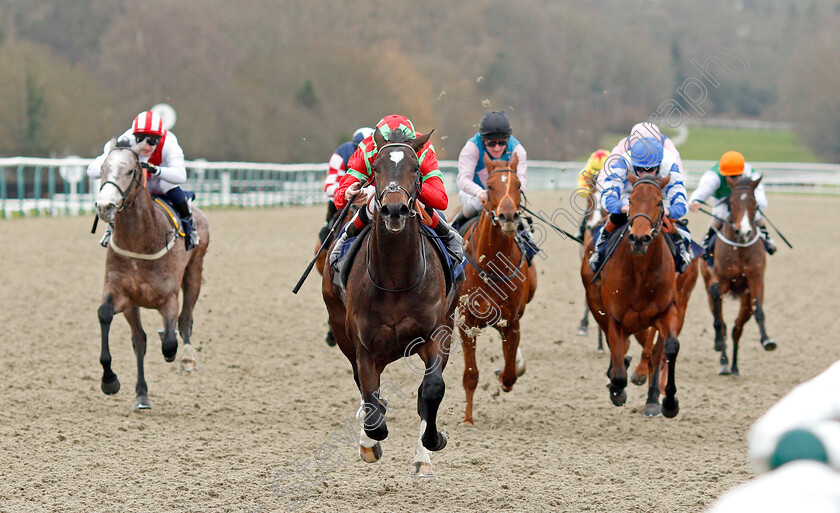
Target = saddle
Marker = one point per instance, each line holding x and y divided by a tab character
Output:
351	248
171	213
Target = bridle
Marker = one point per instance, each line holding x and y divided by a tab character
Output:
135	181
657	225
491	213
410	197
732	225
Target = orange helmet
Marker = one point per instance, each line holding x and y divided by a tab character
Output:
731	164
597	159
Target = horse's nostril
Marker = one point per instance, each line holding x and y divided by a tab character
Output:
404	211
384	210
631	238
647	238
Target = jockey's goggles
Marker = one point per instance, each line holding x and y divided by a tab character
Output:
151	140
500	142
643	170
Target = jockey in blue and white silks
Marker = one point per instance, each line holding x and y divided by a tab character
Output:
646	156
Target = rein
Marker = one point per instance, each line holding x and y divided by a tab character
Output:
135	181
657	225
737	244
404	289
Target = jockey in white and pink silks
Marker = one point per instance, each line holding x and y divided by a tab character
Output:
163	160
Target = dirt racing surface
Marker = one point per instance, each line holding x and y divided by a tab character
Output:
270	397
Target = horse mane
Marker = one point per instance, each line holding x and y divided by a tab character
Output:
397	136
123	142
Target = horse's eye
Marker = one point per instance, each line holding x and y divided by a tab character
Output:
489	188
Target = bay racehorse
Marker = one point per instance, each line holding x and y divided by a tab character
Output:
321	258
739	263
498	279
395	303
146	267
637	291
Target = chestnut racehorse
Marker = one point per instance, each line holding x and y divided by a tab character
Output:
395	304
498	279
146	267
739	264
637	290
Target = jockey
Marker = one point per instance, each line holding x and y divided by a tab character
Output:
432	194
335	172
163	160
646	156
493	138
713	184
587	181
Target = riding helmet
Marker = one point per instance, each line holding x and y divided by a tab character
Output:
495	125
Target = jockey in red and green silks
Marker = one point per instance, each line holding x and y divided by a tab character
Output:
432	198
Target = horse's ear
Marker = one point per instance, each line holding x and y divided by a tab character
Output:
488	162
664	181
756	181
632	178
514	161
420	141
378	138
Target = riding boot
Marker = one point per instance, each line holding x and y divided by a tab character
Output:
106	238
459	220
769	245
528	244
682	241
322	235
600	245
191	238
350	230
581	229
706	238
179	200
453	241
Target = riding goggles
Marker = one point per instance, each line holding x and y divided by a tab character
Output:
490	144
151	140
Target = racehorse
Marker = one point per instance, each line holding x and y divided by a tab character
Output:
739	262
145	267
498	279
636	291
321	258
395	303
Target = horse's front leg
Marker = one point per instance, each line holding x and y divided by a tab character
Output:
470	379
656	366
716	305
583	327
371	413
644	367
168	337
110	384
435	353
617	342
757	296
138	340
668	327
514	361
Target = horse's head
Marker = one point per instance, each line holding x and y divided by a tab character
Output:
742	206
396	171
645	203
121	178
503	193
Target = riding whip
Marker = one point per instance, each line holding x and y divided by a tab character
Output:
95	222
564	232
777	230
610	252
338	221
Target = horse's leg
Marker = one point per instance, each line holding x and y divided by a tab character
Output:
512	354
668	327
191	285
716	305
757	295
652	406
583	329
532	282
374	415
110	384
138	340
168	337
644	367
370	450
429	396
600	340
617	342
744	315
470	379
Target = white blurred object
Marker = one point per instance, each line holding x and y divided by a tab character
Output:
166	113
806	486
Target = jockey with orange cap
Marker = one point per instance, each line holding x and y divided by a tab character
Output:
163	159
713	184
587	181
433	195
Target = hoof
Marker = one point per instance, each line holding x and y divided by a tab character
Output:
330	339
768	345
735	372
422	469
110	388
670	408
619	399
638	379
370	454
468	422
724	370
169	350
188	359
653	410
505	388
142	403
582	331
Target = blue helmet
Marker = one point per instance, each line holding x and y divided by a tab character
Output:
646	152
361	134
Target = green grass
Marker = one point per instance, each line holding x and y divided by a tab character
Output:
705	143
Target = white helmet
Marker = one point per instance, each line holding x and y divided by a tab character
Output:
361	134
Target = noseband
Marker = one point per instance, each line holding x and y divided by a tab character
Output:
657	225
410	197
494	218
135	181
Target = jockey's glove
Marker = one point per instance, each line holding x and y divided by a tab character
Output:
151	168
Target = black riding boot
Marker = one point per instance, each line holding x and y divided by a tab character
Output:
769	245
179	200
454	243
